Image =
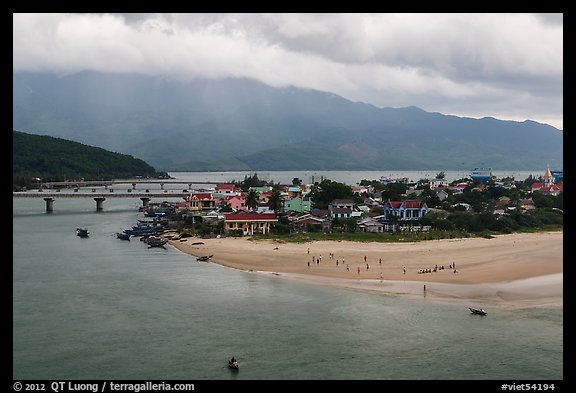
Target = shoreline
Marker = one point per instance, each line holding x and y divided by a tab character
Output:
515	270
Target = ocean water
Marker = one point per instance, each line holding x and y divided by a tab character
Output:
103	308
348	177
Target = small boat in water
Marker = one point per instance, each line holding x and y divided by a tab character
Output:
82	232
477	311
123	236
233	364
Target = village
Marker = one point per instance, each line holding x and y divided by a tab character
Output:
256	207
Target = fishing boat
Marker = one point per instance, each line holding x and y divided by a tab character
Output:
477	311
82	232
233	364
123	236
154	241
204	258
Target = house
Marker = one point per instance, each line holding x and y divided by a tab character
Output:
202	201
413	193
459	188
503	201
294	192
527	204
405	210
464	206
226	188
298	204
442	195
369	225
307	222
236	202
249	223
341	208
435	183
362	189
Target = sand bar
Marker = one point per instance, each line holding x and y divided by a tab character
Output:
519	269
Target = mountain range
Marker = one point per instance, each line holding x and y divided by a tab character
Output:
241	124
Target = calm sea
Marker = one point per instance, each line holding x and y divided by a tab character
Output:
348	177
103	308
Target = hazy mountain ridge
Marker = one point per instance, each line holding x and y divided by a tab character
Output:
243	124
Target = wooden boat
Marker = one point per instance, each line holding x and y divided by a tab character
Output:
233	364
82	232
123	236
153	241
204	258
477	311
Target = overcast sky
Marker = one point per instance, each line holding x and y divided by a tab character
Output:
508	66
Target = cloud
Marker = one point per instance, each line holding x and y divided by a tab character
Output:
501	65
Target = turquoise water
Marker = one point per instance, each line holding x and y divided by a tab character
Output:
102	308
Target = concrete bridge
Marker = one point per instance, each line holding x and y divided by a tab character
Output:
99	197
106	183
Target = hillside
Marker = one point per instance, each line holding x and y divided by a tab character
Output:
240	124
56	159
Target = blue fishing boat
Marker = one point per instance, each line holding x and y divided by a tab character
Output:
82	232
123	236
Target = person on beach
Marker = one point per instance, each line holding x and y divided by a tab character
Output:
380	261
308	250
367	267
347	268
358	269
364	258
381	276
404	269
308	263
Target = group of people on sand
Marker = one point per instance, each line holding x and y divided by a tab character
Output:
435	269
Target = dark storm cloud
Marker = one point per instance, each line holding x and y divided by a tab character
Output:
502	65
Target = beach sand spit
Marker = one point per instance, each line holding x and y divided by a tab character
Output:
521	268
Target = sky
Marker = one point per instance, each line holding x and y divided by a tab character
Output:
507	66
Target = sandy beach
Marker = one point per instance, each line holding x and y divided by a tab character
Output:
515	269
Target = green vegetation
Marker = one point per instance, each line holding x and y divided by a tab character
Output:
365	237
55	159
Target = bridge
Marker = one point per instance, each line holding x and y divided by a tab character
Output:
99	197
106	183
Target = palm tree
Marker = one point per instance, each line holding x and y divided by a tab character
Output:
252	199
275	201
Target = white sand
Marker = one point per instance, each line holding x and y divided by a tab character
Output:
516	269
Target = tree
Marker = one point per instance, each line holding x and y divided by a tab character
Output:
275	201
252	199
296	181
328	190
440	175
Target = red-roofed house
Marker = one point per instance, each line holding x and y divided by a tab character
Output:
226	188
204	201
249	223
405	210
459	188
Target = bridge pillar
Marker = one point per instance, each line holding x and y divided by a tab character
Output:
145	201
99	203
49	204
